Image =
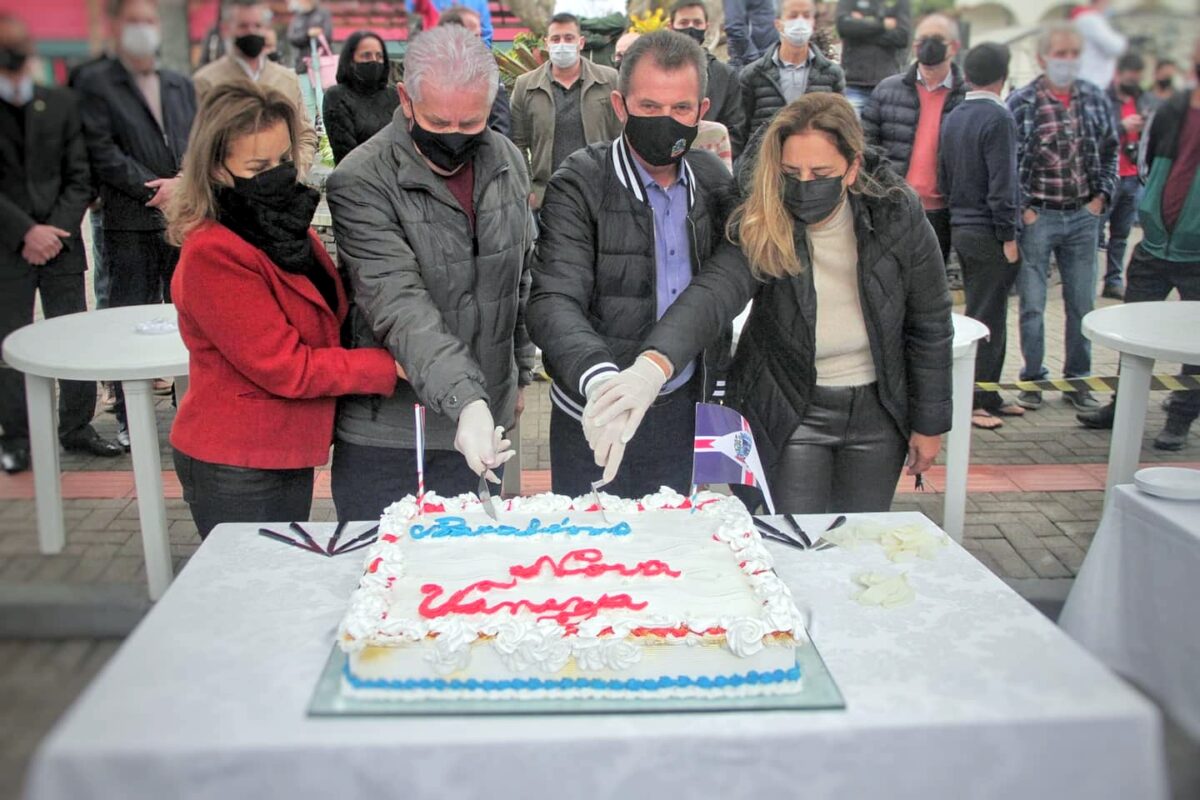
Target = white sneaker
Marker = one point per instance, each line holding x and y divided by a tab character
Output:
123	437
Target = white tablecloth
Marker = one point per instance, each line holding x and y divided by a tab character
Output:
1136	601
967	692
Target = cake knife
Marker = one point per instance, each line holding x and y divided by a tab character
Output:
485	498
596	487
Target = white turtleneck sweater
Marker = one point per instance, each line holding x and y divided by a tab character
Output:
843	350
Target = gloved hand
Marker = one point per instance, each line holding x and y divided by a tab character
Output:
481	441
630	392
605	440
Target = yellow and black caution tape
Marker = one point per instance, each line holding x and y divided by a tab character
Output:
1096	384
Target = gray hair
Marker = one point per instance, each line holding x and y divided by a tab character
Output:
670	51
228	7
449	56
949	23
1052	31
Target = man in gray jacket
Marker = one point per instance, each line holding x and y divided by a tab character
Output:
434	231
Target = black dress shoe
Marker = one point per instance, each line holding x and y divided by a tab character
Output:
14	460
88	441
1101	419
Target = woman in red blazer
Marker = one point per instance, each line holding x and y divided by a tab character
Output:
260	309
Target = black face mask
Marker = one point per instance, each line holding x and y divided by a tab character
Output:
275	56
932	51
695	34
12	60
447	151
368	75
1165	83
251	45
1130	89
812	201
660	141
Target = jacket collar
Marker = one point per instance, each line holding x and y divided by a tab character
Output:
955	77
627	173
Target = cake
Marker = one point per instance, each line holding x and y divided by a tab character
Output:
658	597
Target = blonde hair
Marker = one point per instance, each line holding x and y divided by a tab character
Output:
228	113
762	225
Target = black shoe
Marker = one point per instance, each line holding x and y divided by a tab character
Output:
1082	400
1100	419
88	441
1173	435
14	460
1113	292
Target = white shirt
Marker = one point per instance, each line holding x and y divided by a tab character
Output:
1102	46
843	351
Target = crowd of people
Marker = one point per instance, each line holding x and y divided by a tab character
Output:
618	219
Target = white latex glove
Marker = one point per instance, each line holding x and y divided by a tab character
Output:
630	392
605	440
481	441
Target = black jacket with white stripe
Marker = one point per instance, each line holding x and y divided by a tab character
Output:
594	300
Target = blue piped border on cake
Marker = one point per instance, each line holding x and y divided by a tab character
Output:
753	677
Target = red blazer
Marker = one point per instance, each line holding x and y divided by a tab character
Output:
265	359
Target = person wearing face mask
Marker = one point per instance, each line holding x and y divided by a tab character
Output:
789	69
260	308
363	101
1168	257
309	21
245	25
434	233
624	228
690	17
1163	89
562	105
1067	163
45	188
904	115
843	367
1130	108
136	120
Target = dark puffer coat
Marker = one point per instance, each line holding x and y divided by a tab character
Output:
889	119
902	285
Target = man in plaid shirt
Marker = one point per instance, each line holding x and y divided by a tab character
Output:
1067	164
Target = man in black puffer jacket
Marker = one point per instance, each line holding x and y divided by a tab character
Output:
903	116
791	68
624	226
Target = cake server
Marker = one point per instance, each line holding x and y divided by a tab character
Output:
596	487
485	498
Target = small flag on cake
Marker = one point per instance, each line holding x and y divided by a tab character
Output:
724	451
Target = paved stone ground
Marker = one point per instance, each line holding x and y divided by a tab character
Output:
1035	540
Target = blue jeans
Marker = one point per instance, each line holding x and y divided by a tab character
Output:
749	28
1071	237
1119	217
858	95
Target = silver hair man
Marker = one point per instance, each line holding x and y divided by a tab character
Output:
450	57
1054	30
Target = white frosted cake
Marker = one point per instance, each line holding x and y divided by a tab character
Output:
553	600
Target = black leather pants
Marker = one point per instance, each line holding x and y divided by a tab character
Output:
845	456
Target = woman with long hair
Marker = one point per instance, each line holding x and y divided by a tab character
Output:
260	309
364	100
843	368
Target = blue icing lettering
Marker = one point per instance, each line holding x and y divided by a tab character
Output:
454	527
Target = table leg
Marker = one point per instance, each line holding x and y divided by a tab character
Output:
181	387
147	476
43	448
958	444
1133	390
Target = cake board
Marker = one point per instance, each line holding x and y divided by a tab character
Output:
818	692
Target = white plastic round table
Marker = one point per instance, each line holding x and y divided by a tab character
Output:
101	346
967	333
1142	333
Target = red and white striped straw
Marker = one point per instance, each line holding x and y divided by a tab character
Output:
419	416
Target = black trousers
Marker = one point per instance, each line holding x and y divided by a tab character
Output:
987	279
61	294
140	266
1147	279
366	480
660	453
939	218
218	493
844	457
